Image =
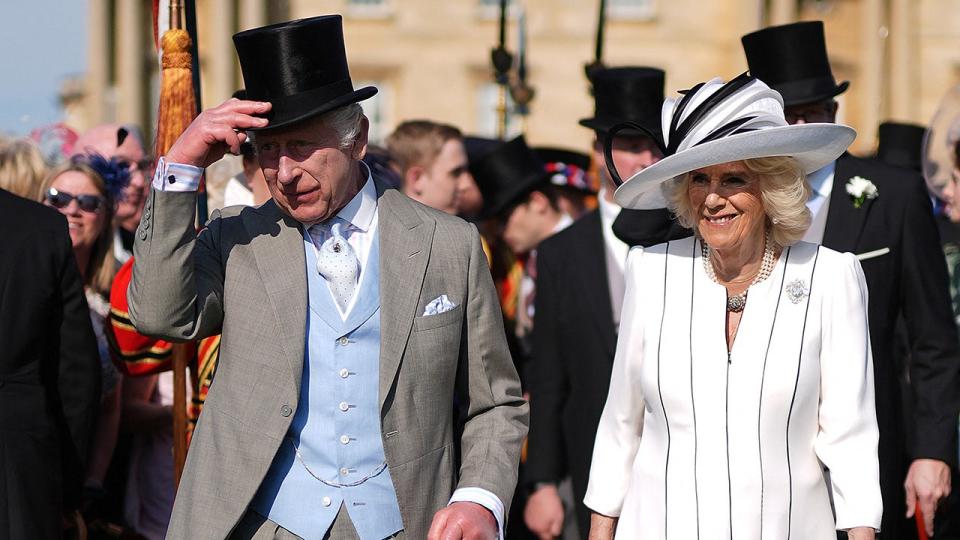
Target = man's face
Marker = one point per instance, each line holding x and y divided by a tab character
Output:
819	112
529	223
309	176
103	140
437	185
630	155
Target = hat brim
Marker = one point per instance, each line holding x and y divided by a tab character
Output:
280	118
516	192
812	145
603	125
799	98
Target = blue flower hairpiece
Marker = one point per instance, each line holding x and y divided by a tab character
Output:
115	173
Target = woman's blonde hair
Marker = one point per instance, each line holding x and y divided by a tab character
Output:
101	267
21	167
784	191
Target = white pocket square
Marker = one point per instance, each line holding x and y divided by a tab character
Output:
440	304
872	254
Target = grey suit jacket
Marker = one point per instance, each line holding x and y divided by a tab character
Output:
244	276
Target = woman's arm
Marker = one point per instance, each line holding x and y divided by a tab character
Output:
602	527
861	533
848	436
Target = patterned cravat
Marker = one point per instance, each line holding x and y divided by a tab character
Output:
337	263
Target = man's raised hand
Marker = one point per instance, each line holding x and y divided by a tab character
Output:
216	131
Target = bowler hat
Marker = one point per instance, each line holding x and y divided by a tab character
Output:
567	168
792	59
626	94
508	173
901	145
300	67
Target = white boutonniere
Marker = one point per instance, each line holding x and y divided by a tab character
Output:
860	189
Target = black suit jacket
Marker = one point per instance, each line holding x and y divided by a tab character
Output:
574	341
49	371
910	280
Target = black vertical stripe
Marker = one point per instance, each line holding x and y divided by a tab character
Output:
666	466
793	399
693	403
726	428
763	376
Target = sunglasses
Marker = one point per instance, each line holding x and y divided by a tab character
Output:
61	199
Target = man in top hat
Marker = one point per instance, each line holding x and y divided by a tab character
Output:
883	215
901	145
360	329
580	291
431	161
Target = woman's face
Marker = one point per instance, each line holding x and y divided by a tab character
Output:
726	202
949	195
85	227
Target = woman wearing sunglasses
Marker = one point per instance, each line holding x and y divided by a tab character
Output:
86	191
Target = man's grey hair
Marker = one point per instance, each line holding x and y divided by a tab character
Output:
345	121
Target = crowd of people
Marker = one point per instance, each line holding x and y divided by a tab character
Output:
715	323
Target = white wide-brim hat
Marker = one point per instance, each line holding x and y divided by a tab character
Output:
717	122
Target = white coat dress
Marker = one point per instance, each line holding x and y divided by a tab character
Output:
695	444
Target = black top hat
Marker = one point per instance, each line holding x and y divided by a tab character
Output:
506	174
627	94
298	66
478	147
792	59
567	168
901	145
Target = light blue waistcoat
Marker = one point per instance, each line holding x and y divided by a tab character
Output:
340	371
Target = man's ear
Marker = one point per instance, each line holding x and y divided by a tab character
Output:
359	148
412	179
836	107
538	202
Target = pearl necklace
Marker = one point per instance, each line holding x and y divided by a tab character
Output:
737	303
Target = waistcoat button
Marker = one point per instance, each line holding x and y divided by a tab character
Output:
343	341
326	501
344	406
344	439
286	410
344	373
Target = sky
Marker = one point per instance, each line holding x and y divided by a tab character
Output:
44	42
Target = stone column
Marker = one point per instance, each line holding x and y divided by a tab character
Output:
871	94
221	56
783	12
98	64
131	75
903	61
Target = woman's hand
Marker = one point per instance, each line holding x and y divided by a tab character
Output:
603	527
862	533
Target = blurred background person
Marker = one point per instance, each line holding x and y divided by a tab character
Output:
85	190
126	143
431	161
49	372
576	194
247	188
21	168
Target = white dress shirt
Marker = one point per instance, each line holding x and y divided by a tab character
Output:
616	251
362	214
821	183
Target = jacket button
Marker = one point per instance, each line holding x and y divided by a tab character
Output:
344	406
344	341
286	410
326	501
344	373
143	234
344	439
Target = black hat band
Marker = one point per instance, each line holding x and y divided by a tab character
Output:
290	105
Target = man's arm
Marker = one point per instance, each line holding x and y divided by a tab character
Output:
935	358
496	413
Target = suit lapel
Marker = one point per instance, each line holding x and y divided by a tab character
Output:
280	260
844	221
596	286
405	242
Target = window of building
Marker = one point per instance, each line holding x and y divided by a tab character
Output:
369	9
490	9
377	110
630	9
488	95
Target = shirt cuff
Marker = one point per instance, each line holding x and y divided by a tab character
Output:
485	499
176	177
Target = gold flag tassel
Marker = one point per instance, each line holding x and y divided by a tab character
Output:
177	109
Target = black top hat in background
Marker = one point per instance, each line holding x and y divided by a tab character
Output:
627	94
298	66
478	147
567	168
901	145
506	174
792	59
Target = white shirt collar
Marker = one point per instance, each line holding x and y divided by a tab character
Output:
361	209
608	210
821	180
564	222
